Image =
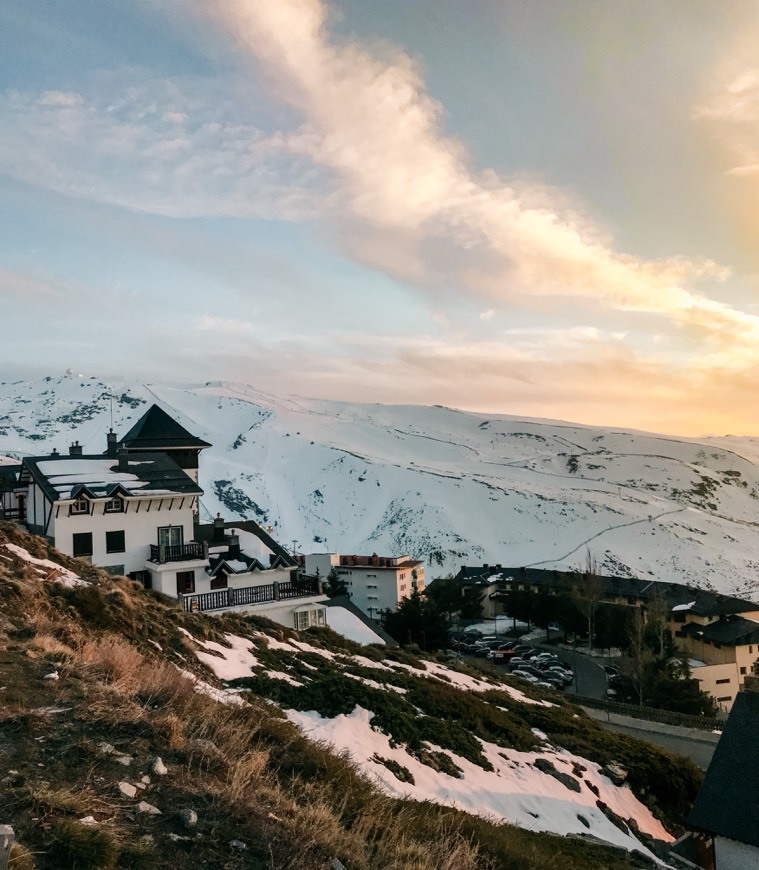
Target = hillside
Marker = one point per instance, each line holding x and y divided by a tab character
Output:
133	734
438	484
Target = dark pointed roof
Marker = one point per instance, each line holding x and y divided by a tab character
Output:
727	803
156	430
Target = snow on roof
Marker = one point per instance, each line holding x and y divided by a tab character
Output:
47	569
683	606
349	625
238	566
252	545
65	473
515	790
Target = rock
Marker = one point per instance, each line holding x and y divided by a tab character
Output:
159	768
140	785
613	817
188	817
149	809
178	838
88	820
106	749
238	845
616	774
53	676
565	779
336	864
126	760
127	789
145	780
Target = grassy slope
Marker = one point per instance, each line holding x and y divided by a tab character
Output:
247	772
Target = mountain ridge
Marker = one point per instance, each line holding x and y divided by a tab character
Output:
448	486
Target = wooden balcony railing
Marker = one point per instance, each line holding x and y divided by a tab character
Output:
223	598
162	553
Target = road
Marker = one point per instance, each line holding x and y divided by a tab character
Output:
697	745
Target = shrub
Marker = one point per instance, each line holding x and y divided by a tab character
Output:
76	846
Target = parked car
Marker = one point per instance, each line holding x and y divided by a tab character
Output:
523	675
544	684
530	670
554	680
517	662
612	670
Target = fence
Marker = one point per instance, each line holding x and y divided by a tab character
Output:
652	714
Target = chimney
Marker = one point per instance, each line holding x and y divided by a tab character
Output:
75	449
111	437
233	546
123	458
55	451
218	529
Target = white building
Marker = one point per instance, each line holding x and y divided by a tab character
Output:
375	583
133	511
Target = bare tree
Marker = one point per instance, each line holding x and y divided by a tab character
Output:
588	592
639	656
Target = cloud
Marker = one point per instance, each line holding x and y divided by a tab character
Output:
422	212
487	315
223	326
168	147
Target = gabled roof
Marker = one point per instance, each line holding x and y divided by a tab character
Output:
727	803
61	478
156	430
240	564
280	558
731	631
9	472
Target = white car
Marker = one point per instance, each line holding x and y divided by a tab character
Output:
523	675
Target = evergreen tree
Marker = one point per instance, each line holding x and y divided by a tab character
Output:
417	620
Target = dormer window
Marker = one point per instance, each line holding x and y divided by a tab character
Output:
114	505
80	506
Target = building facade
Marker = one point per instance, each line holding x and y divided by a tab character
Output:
375	583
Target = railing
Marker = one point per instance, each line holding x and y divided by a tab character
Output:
231	597
12	515
299	589
652	714
177	553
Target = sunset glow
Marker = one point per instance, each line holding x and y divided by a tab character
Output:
535	209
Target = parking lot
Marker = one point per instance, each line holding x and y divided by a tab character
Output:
523	659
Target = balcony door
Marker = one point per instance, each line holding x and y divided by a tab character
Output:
170	536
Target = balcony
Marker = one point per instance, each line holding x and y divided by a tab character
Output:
250	595
162	553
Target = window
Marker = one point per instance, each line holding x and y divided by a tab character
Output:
751	648
170	536
725	698
721	682
114	506
403	587
743	670
185	582
306	618
220	581
83	543
80	506
115	542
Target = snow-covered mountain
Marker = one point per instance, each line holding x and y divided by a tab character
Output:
436	483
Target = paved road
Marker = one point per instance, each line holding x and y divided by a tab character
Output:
697	745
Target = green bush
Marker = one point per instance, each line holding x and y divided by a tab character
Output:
76	846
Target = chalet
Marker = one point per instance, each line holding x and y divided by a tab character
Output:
726	809
134	510
375	583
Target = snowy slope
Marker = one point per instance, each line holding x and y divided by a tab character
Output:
438	484
513	788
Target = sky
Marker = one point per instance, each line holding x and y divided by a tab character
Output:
545	208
